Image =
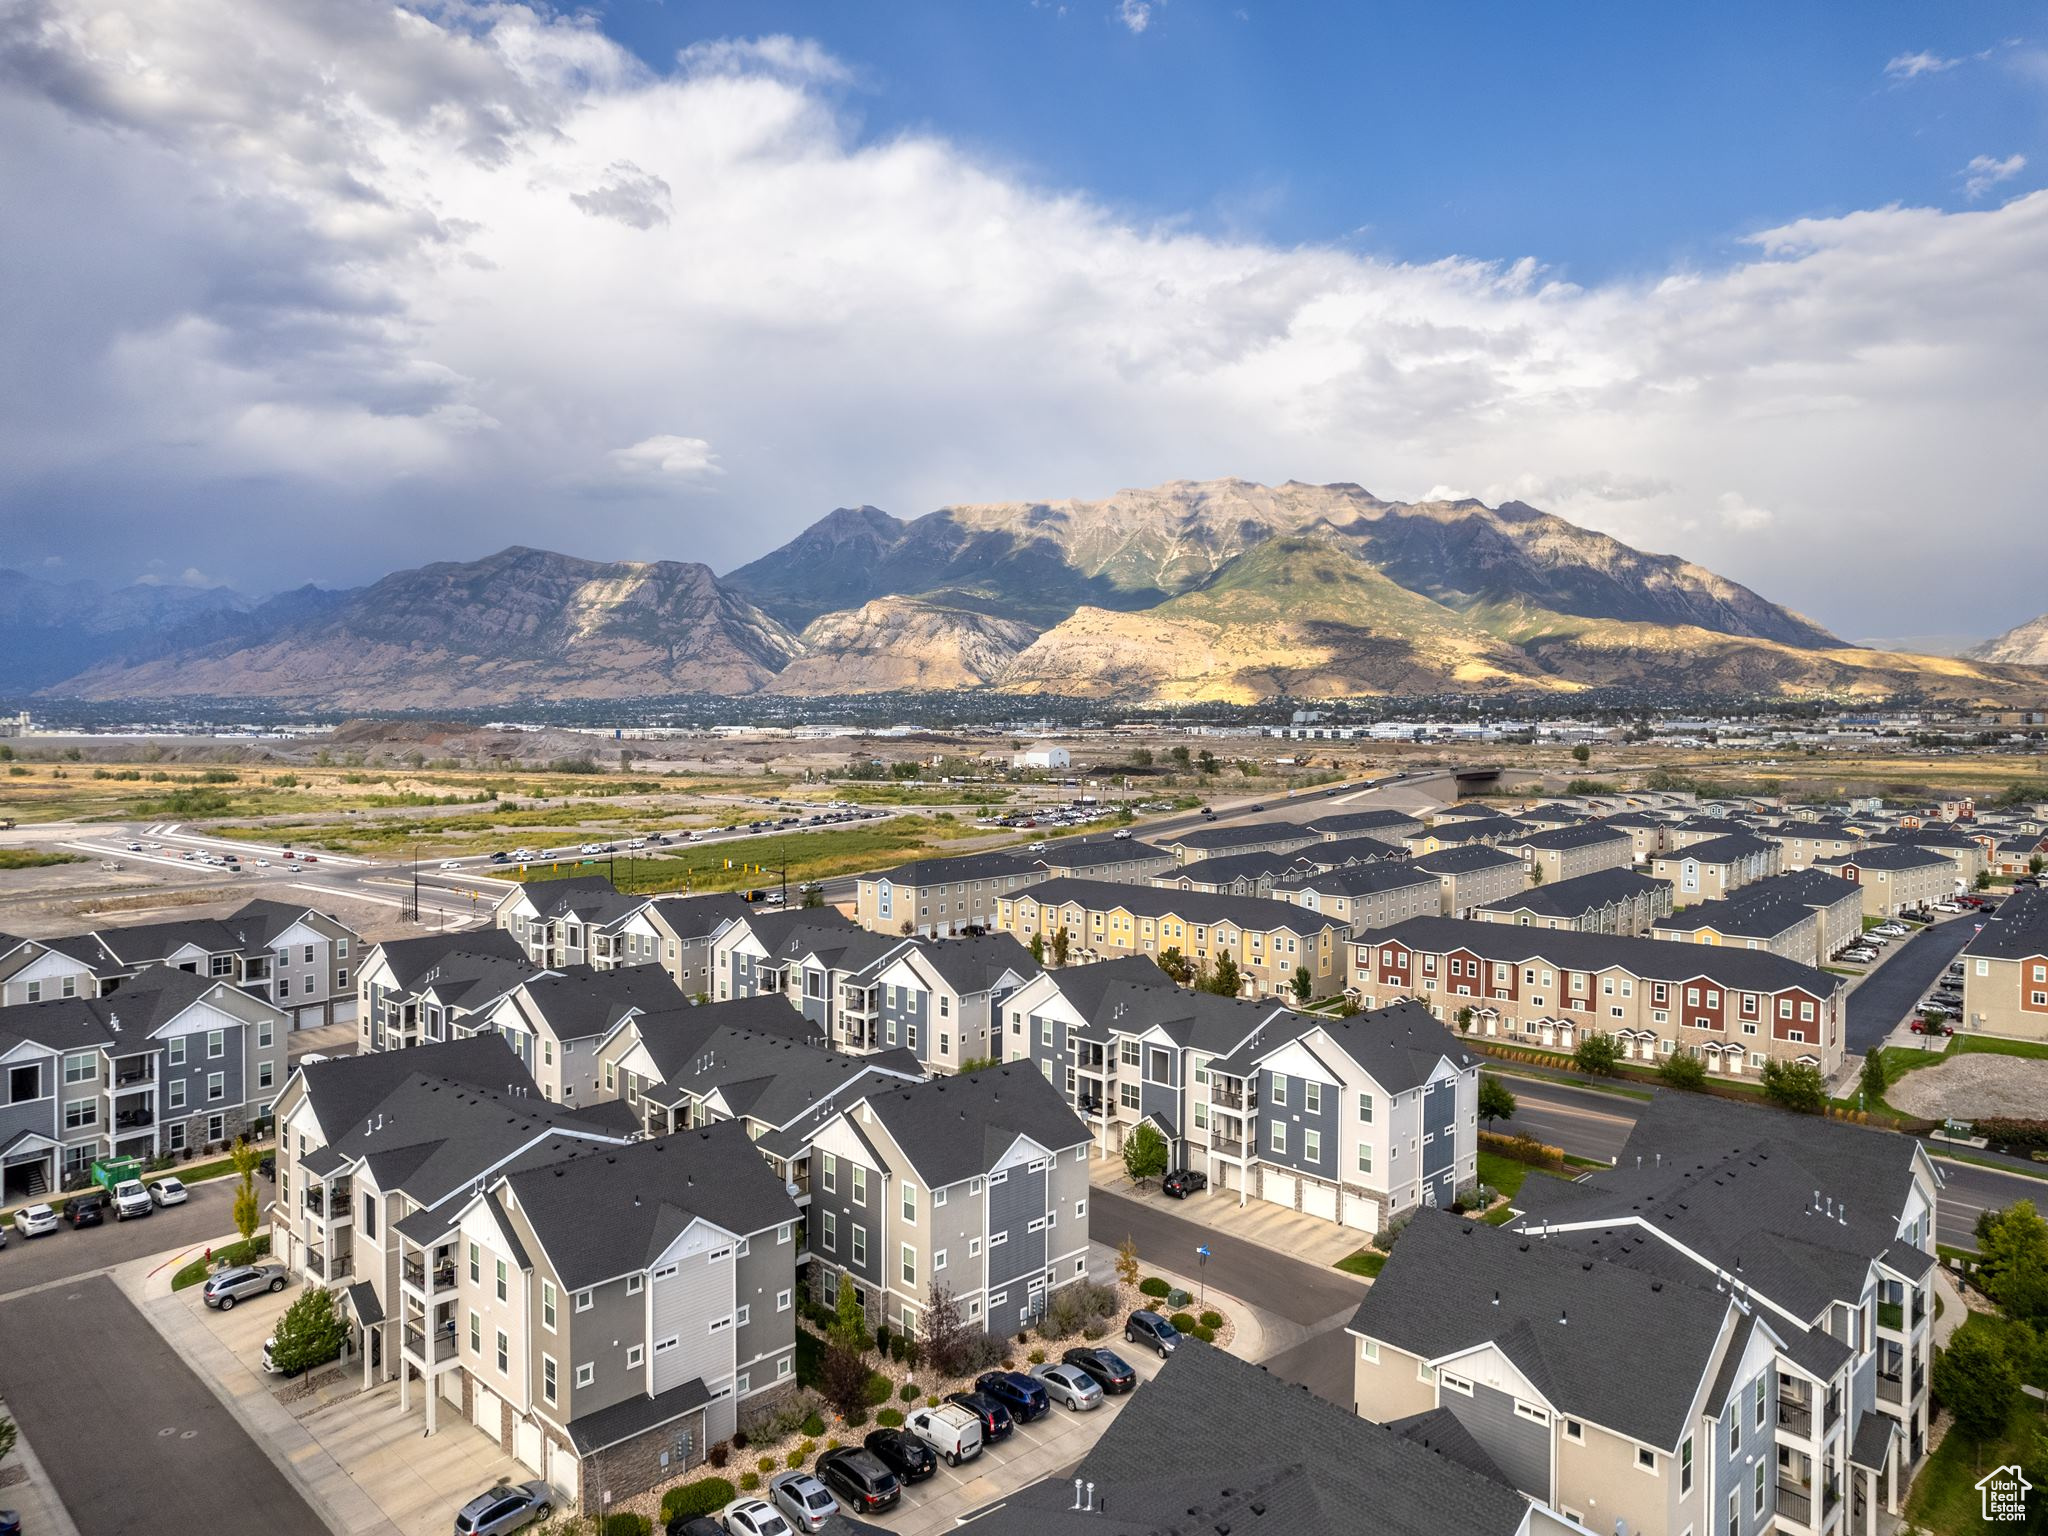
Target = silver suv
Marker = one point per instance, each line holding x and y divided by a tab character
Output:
229	1286
507	1507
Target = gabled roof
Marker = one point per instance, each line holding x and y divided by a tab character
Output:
1229	868
775	1080
1890	856
1255	913
1361	821
674	1036
2018	930
954	1128
1240	834
1584	834
1452	1285
577	1002
1721	850
1358	880
699	917
344	1089
1464	860
589	899
1755	970
1399	1047
1580	894
600	1212
121	1020
967	866
1139	1004
415	962
1349	850
1096	852
976	965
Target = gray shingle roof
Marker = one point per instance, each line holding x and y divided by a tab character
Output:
698	917
1240	834
1361	821
1580	894
1359	880
344	1089
1256	914
1463	860
1721	850
676	1035
955	1128
1095	852
1452	1284
1349	850
578	1002
966	866
1400	1046
2018	930
978	964
454	955
1891	856
1586	834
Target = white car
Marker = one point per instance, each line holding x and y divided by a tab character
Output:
1892	930
1035	848
638	842
168	1191
263	863
451	863
135	847
752	1517
35	1221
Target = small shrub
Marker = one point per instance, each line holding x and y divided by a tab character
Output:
878	1390
717	1458
813	1425
689	1500
1037	1357
749	1481
809	1448
832	1444
890	1418
856	1418
1153	1286
1093	1332
626	1523
794	1459
1184	1321
907	1392
765	1465
739	1440
1212	1319
1204	1332
932	1401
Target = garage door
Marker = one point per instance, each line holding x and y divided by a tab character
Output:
344	1010
1319	1199
451	1389
310	1018
1278	1188
526	1444
485	1413
1361	1213
1226	1176
565	1474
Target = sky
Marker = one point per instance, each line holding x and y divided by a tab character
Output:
308	290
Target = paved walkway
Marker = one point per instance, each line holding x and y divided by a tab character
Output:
34	1499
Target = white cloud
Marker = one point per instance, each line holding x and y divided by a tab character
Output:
382	286
1910	66
1983	173
1741	514
795	58
1135	14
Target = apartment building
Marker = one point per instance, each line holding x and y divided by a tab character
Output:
942	896
1470	877
752	956
1646	832
1583	848
1233	874
1801	844
580	920
1965	850
1104	858
1714	867
553	1022
686	925
1387	826
419	991
1212	841
1365	896
1826	1233
298	958
173	1062
1470	832
1807	915
1735	1008
2005	969
1895	877
1617	900
1216	1444
942	1000
976	1183
1268	940
1694	830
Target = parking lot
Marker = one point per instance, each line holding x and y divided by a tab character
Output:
28	1262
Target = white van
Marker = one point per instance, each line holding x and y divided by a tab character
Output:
951	1431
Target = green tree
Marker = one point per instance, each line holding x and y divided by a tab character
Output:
1181	757
1465	1020
1536	875
849	1330
814	895
943	1331
1496	1099
2036	863
1795	1085
1682	1069
1208	761
1141	757
1872	1081
1037	948
1582	755
310	1333
1304	984
1599	1055
1144	1153
1225	979
1127	1261
1176	964
1976	1382
1983	879
247	1211
1062	941
2012	1267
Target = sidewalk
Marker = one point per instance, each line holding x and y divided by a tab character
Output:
33	1498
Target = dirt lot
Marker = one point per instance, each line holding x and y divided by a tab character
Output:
1974	1086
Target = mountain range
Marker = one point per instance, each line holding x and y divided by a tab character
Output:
1217	590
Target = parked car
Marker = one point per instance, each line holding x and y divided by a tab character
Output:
948	1429
1112	1372
1183	1182
996	1423
694	1525
1070	1386
1149	1328
229	1286
859	1477
35	1221
507	1507
752	1517
1017	1392
806	1501
905	1455
131	1199
1932	1026
86	1210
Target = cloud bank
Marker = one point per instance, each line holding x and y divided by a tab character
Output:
322	288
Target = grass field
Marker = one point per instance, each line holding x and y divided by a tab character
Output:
759	861
35	858
1945	1498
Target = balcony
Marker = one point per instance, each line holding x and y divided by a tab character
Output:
440	1347
1795	1415
1919	1308
1891	1316
134	1072
1795	1502
1834	1413
316	1263
1237	1100
134	1119
414	1270
1225	1147
1891	1389
325	1201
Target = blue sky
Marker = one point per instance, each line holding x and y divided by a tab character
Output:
319	289
1604	140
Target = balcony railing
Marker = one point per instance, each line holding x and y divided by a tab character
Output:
415	1271
1834	1414
1795	1502
134	1119
328	1201
440	1346
1891	1388
1919	1308
1891	1315
1232	1099
1795	1414
127	1077
1229	1148
316	1263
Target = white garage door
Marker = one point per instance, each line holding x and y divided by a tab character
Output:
1361	1213
484	1412
565	1474
1278	1188
344	1010
451	1388
310	1018
1319	1199
526	1445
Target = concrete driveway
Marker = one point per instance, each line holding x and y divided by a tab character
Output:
1308	1238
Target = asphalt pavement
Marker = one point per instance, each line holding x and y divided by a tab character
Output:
1584	1121
1881	1001
134	1442
64	1254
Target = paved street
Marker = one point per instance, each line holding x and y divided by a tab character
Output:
202	1219
1882	999
136	1442
1584	1121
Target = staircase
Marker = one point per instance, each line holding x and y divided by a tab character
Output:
36	1185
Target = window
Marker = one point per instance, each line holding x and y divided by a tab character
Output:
635	1284
860	1185
909	1265
1369	1351
1757	1497
476	1334
216	1044
1452	1383
547	1378
634	1356
81	1068
547	1307
782	1301
1278	1095
1365	1109
1127	1095
1762	1407
1685	1466
830	1174
586	1373
973	1247
1276	1137
81	1113
1531	1412
1312	1144
503	1288
909	1202
719	1324
583	1301
1574	1431
1365	1157
938	1260
476	1265
1424	1371
1646	1459
216	1090
860	1243
176	1047
504	1354
1312	1098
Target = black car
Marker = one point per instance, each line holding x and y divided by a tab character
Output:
1024	1396
268	1167
1183	1182
860	1478
694	1525
905	1455
1255	808
86	1210
1112	1372
995	1418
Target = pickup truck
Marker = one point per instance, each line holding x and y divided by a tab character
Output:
131	1199
951	1431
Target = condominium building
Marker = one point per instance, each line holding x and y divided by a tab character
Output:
2005	969
1715	866
1617	900
1895	877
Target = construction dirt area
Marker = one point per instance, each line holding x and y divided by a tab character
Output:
1974	1086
